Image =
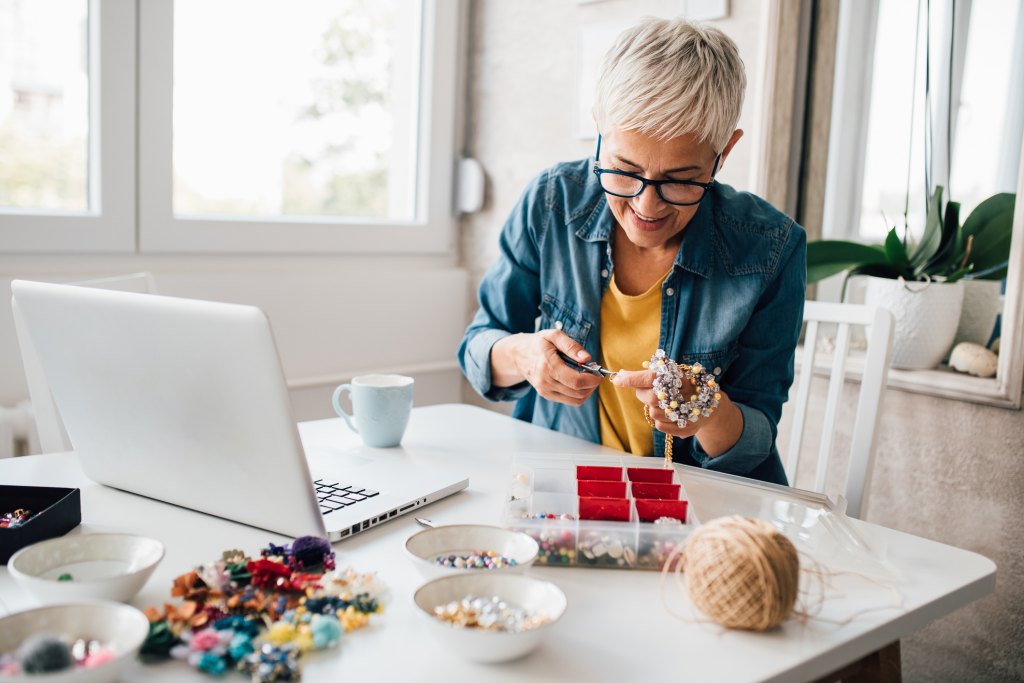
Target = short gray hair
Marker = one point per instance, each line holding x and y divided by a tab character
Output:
668	77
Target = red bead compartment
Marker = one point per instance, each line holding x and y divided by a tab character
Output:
604	509
599	472
601	489
649	509
650	475
599	512
660	491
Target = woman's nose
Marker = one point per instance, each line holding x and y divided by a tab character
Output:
648	202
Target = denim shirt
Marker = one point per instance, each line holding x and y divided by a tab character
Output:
733	300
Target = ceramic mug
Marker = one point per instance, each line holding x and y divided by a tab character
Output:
380	405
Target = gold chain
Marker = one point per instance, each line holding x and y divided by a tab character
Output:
668	437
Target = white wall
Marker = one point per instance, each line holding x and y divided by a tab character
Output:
332	316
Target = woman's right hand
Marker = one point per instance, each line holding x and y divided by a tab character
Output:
534	357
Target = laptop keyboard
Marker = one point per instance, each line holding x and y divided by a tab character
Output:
334	496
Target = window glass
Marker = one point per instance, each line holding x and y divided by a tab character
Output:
889	124
296	108
982	124
44	105
980	113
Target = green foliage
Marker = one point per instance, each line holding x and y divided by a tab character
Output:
947	251
39	172
345	178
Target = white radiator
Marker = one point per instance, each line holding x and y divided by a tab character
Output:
17	430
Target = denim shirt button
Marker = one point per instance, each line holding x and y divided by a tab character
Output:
604	272
558	324
670	291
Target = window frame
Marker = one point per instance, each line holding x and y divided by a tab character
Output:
131	157
858	22
109	225
431	231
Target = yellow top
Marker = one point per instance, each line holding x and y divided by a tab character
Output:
630	330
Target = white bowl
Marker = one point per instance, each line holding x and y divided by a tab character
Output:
478	645
102	567
462	539
122	628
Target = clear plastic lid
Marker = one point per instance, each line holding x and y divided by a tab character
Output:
817	525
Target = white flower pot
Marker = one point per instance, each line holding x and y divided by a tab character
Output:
981	308
927	315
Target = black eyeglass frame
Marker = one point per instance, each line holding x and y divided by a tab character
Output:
657	184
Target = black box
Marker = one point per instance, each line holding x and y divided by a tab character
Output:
55	511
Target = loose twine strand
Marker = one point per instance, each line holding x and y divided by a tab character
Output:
743	573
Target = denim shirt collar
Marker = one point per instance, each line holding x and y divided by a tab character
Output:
696	255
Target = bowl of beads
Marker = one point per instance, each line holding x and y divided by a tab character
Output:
86	642
86	566
490	617
470	548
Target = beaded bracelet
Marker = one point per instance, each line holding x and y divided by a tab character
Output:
685	392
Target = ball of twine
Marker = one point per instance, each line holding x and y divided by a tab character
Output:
741	573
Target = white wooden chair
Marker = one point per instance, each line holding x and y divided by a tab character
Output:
49	425
878	324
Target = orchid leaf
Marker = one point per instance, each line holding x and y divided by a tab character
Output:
895	252
932	236
828	257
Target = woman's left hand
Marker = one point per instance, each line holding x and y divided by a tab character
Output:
717	433
643	382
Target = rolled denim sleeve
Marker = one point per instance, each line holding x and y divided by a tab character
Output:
509	295
758	381
754	445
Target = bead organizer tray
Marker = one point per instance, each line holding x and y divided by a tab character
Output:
587	511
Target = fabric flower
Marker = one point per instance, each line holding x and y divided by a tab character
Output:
326	631
212	664
312	551
205	639
216	577
268	574
160	640
240	646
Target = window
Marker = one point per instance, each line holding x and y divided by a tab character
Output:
328	89
44	105
67	129
321	126
871	166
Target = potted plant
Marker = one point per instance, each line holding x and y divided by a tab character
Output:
923	283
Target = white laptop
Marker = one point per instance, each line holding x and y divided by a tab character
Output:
185	401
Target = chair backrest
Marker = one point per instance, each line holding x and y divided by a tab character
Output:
878	325
49	425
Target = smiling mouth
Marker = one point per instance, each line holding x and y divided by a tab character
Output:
644	221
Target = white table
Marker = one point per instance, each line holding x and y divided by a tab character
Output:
616	628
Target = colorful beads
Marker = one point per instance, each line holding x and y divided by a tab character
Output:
555	546
653	554
548	515
481	559
11	520
49	653
272	664
603	549
489	614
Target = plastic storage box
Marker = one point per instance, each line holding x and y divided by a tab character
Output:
588	511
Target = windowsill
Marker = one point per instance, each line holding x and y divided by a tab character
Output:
943	382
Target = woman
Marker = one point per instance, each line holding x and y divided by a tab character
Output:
640	249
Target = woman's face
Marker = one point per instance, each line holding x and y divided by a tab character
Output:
647	220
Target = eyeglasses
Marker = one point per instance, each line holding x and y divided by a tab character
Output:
677	192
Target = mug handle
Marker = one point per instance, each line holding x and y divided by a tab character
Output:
337	406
